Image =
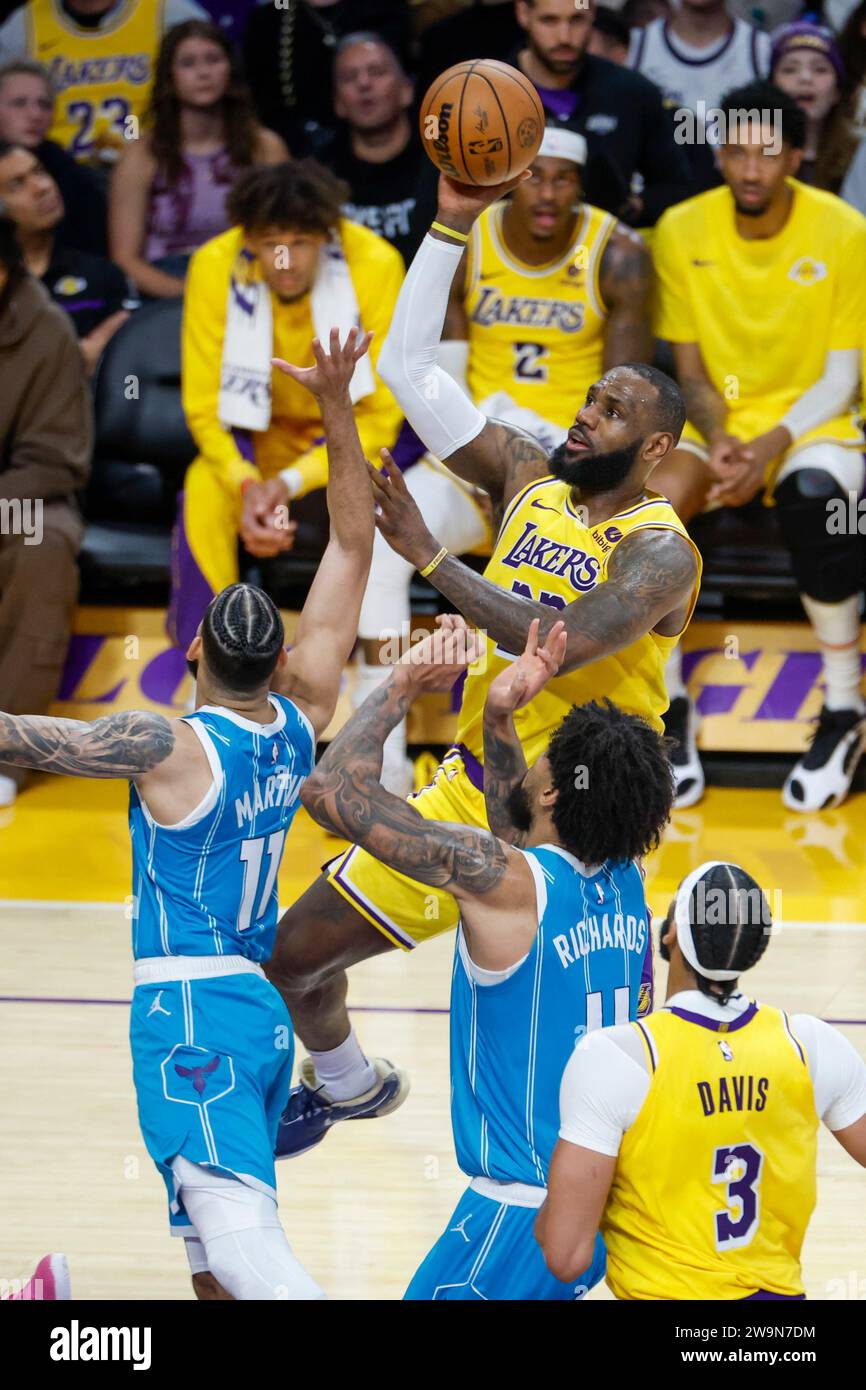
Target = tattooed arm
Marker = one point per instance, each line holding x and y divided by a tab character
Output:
345	796
504	763
626	282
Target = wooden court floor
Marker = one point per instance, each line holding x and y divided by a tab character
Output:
363	1208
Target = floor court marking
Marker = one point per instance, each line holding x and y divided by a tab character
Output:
353	1008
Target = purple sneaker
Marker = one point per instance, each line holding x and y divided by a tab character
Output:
311	1112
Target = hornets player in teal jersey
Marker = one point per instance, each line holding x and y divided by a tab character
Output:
552	938
212	797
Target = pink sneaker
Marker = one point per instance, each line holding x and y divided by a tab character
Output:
50	1281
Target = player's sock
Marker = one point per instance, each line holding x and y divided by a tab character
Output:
674	674
837	627
397	773
344	1071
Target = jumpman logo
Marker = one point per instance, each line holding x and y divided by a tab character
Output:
198	1074
459	1227
156	1007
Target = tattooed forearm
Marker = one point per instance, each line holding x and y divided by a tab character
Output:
120	745
649	576
345	796
706	409
504	767
626	279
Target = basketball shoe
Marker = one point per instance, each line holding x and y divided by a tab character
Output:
49	1282
311	1112
823	776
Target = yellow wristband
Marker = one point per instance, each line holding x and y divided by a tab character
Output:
437	560
449	231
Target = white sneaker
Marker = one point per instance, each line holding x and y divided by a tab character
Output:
8	791
681	726
823	776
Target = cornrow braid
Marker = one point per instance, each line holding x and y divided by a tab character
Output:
731	925
242	634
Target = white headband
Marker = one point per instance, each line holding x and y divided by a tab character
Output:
563	144
684	924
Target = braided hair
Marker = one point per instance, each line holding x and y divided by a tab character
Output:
730	923
242	635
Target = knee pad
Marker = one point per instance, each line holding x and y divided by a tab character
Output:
825	557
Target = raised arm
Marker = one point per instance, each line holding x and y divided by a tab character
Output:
626	282
329	620
651	576
487	453
345	796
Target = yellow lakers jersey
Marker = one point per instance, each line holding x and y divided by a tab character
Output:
536	332
101	76
715	1180
545	552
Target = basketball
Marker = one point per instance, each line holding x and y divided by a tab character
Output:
482	122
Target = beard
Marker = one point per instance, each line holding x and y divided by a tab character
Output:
518	808
592	473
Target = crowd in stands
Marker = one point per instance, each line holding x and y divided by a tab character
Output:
264	162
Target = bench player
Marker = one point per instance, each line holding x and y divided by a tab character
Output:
549	293
552	937
589	545
212	798
690	1137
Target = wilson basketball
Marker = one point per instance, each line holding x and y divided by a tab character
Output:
482	122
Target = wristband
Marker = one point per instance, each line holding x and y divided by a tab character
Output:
436	561
449	231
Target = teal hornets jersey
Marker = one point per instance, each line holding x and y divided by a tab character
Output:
208	886
510	1041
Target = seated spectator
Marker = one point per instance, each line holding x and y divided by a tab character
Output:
610	36
100	56
635	169
45	445
290	267
169	190
806	63
26	113
763	296
694	57
91	290
377	151
290	48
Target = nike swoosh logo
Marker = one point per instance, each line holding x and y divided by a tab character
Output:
703	262
542	508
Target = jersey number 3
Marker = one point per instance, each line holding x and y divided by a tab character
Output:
740	1167
252	854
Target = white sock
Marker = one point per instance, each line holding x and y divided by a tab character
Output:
674	674
394	755
344	1071
837	627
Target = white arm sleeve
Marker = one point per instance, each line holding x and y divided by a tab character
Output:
830	396
454	359
602	1091
837	1069
436	408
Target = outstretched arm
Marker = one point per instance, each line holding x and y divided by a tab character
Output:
127	744
329	621
651	575
490	455
345	796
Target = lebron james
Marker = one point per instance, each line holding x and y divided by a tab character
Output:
581	539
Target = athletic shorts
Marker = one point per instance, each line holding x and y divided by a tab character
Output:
212	1066
488	1251
404	911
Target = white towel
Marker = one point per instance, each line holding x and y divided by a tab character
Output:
245	381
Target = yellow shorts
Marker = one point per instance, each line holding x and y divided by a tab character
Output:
404	911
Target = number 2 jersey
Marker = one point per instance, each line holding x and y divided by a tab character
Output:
512	1035
208	885
546	552
536	332
712	1112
